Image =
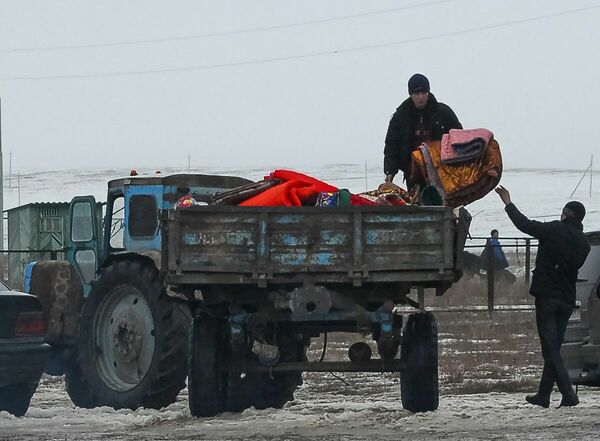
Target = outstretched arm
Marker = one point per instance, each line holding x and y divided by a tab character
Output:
533	228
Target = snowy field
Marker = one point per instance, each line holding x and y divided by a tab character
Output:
540	194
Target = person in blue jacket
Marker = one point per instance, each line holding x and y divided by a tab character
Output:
493	246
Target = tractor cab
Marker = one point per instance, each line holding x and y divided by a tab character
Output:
132	217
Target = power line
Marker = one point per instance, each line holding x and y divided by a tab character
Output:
301	56
224	33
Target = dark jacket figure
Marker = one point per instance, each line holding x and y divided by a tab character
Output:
409	127
562	251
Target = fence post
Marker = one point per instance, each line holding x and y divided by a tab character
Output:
490	278
421	296
527	259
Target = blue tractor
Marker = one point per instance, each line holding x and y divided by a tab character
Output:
118	332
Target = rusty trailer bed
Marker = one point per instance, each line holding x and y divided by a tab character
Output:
282	245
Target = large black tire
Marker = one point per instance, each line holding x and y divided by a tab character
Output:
419	381
133	338
15	398
78	388
206	379
266	390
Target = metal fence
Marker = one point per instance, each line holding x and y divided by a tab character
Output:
13	263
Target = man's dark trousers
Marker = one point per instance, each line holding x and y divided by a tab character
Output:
552	317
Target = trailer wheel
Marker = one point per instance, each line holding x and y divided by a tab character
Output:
387	349
274	390
133	338
419	381
266	390
15	398
206	380
239	384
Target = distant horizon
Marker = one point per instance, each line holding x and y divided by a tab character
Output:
266	167
539	193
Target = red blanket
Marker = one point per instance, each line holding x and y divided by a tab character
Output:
295	190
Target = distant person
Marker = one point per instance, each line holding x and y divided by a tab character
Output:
420	118
562	251
492	245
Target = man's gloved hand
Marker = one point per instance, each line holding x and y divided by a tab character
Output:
504	194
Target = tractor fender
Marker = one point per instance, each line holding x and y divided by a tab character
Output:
58	286
148	257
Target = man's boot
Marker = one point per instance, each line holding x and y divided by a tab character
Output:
538	400
569	400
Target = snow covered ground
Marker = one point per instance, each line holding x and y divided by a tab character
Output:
498	356
324	409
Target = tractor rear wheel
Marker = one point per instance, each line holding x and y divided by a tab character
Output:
77	387
133	338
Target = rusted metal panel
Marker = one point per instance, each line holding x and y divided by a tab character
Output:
428	279
349	242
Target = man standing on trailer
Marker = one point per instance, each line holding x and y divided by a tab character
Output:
420	118
562	251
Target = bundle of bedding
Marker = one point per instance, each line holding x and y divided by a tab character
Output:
462	172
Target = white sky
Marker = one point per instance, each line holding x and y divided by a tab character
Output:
534	84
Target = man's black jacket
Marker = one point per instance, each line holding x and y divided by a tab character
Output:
410	127
562	251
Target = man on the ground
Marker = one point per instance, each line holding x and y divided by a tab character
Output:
562	250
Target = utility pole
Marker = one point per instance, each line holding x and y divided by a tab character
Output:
189	161
591	173
10	169
588	169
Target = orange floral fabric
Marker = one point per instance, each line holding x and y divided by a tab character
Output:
462	183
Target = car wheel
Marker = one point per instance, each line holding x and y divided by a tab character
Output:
15	398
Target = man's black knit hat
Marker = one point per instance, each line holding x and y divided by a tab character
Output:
418	83
574	210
